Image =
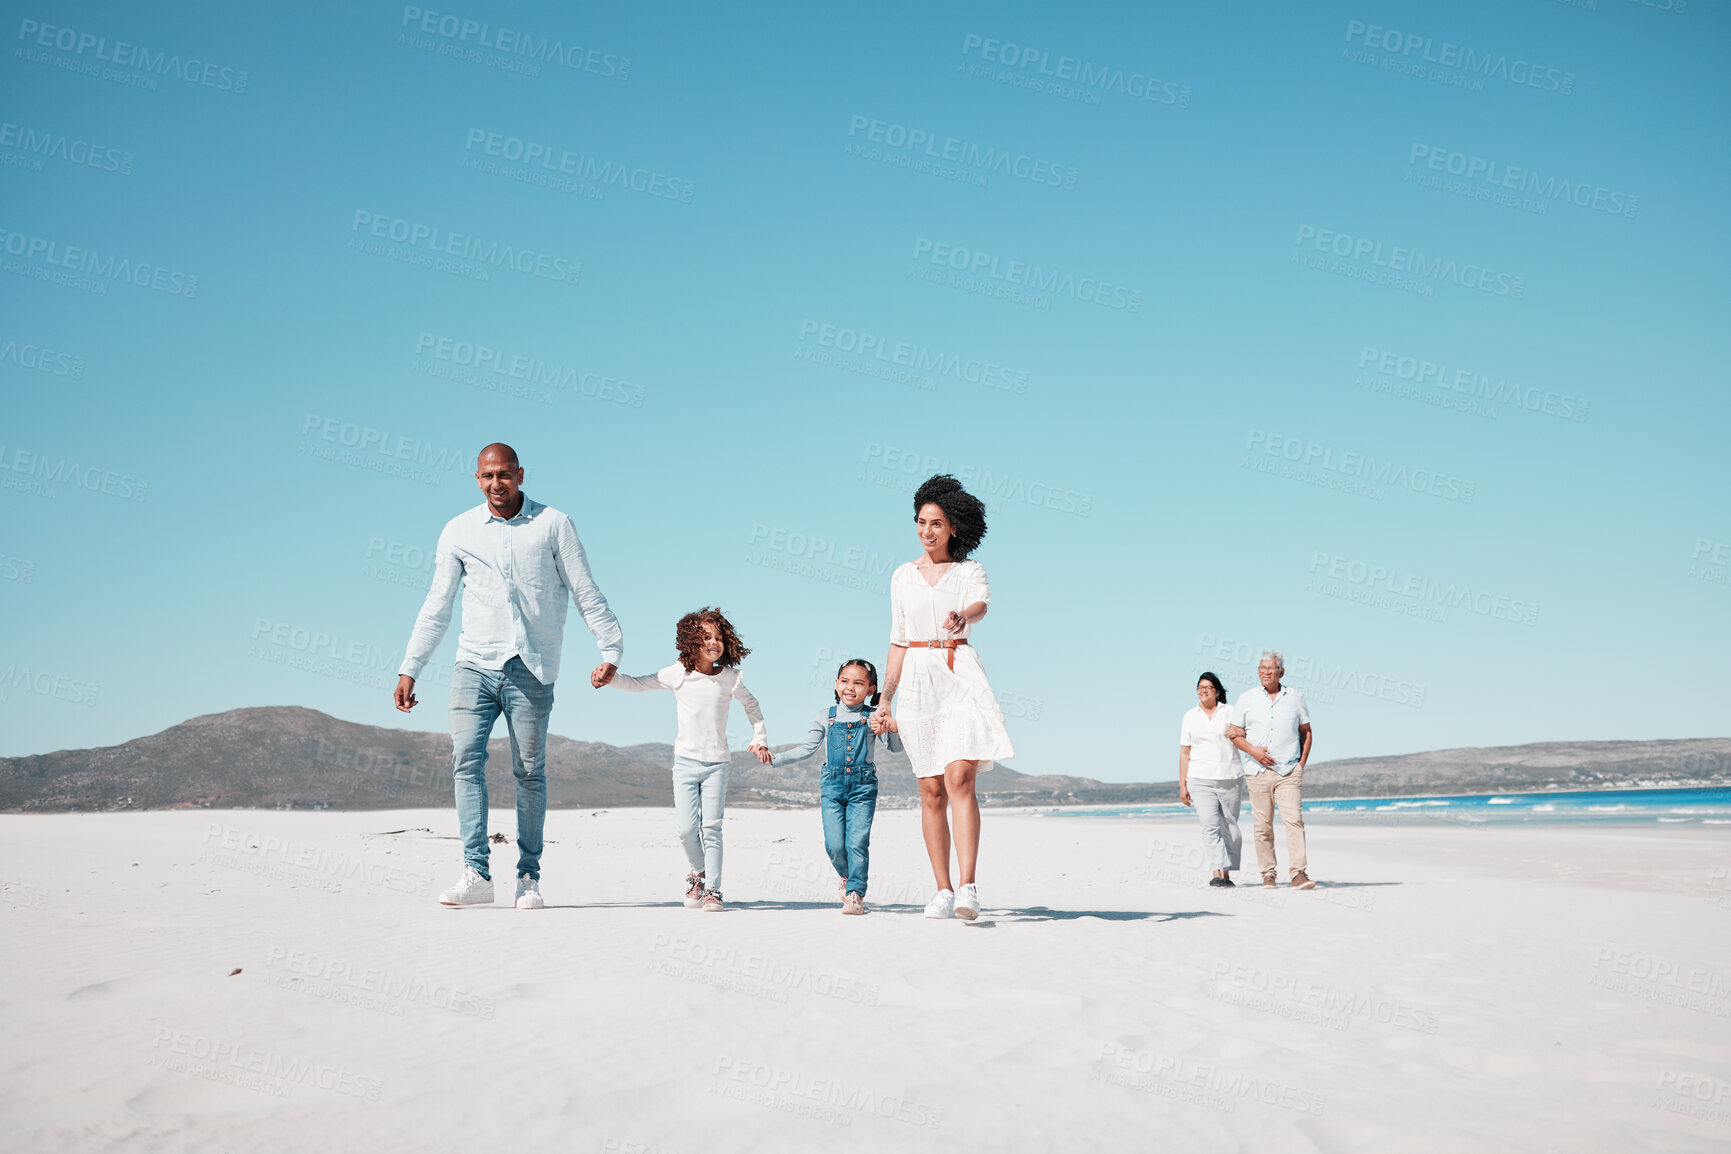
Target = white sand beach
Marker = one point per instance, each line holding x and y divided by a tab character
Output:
1446	989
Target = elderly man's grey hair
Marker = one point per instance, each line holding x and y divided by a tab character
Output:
1274	656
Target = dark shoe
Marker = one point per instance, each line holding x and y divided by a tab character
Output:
1218	883
1228	883
1301	881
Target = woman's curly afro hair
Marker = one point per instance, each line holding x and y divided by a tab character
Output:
688	636
966	512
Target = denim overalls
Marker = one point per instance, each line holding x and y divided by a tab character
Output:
849	798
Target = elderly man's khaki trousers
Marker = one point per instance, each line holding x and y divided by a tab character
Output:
1268	792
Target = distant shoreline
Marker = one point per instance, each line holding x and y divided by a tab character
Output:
1413	796
1033	808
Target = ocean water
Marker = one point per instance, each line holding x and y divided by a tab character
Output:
1710	805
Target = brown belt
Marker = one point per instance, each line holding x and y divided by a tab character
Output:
949	657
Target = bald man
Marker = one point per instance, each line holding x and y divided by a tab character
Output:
520	565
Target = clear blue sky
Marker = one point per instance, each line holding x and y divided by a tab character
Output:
1229	309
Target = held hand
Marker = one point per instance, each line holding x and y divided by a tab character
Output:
955	622
603	674
761	752
404	697
1184	792
881	720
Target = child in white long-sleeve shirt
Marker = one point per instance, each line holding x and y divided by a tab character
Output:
705	681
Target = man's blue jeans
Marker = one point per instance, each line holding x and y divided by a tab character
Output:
478	697
849	800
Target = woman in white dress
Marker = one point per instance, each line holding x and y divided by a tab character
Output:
948	716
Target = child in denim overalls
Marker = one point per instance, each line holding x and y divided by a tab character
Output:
850	779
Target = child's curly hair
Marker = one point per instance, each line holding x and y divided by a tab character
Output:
688	636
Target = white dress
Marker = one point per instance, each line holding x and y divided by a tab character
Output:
943	716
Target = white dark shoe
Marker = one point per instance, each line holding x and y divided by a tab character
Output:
529	894
693	890
473	890
942	906
968	902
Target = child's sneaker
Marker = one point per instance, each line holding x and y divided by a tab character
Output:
968	902
712	902
693	890
853	904
942	906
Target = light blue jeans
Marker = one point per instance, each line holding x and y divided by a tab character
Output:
478	697
699	800
1217	804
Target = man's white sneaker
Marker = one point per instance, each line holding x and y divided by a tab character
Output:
942	906
473	890
968	902
529	894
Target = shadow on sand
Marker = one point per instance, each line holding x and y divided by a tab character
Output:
987	916
1045	914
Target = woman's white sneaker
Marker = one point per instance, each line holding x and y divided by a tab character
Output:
529	894
942	906
968	902
473	890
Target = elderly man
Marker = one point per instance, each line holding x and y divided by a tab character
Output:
520	565
1275	739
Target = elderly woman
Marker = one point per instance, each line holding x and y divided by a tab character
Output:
1210	777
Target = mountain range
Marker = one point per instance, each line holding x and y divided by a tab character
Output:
289	757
